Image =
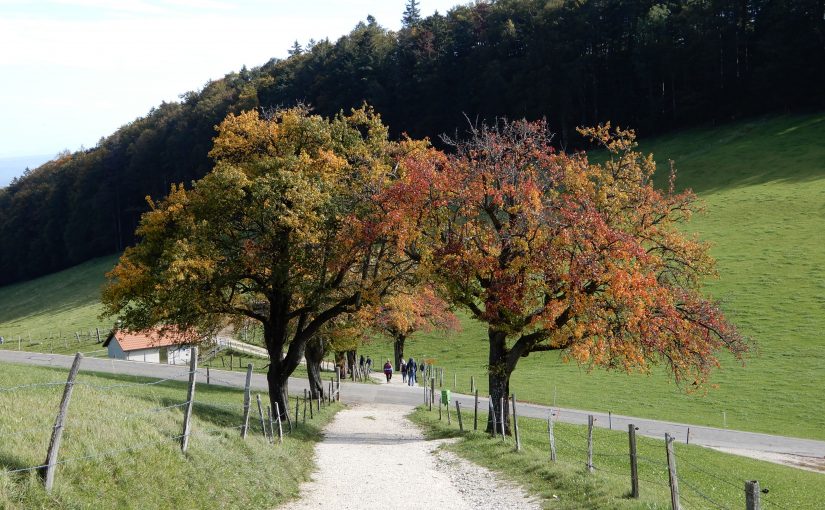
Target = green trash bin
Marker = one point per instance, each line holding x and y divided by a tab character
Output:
445	397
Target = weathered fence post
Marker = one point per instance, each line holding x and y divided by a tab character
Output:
492	412
190	399
271	428
472	383
97	330
432	392
475	412
447	405
501	420
590	467
207	374
671	472
304	416
309	401
752	501
261	415
57	431
551	436
297	406
515	424
634	470
458	412
246	401
280	426
439	409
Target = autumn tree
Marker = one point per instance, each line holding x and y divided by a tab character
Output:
285	230
557	253
405	313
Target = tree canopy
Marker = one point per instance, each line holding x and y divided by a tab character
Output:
285	230
557	253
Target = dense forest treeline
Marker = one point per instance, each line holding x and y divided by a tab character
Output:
652	65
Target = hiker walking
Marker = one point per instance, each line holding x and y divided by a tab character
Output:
403	371
388	370
412	366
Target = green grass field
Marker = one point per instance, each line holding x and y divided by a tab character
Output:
763	186
120	451
707	479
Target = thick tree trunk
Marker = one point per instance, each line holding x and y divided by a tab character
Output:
398	347
314	354
278	390
499	380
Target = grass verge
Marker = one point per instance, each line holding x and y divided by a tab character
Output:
119	448
708	479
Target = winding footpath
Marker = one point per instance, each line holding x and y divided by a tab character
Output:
805	453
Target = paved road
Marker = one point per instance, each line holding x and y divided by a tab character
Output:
401	394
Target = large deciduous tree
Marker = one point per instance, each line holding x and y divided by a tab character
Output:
285	230
405	313
557	253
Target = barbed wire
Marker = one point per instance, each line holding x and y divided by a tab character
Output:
702	494
129	385
691	466
32	385
26	431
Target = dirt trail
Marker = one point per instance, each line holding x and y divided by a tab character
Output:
373	457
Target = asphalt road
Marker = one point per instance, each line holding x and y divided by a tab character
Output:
400	394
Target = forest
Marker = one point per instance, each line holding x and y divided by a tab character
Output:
653	66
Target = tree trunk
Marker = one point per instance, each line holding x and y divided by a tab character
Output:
278	390
341	361
351	359
398	347
314	354
499	380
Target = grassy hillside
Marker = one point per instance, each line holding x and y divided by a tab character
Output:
763	185
120	450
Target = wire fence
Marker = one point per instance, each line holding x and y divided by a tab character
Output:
608	453
242	417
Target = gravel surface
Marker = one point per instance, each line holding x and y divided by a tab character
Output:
373	457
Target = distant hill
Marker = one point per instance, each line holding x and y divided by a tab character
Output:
15	166
652	65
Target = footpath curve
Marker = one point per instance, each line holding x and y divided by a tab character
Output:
782	449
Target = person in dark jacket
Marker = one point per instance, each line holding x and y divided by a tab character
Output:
412	367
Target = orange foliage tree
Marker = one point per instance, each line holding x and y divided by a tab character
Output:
403	314
557	253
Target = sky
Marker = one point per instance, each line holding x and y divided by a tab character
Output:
73	71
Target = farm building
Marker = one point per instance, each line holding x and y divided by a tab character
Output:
148	346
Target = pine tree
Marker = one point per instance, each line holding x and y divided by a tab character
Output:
412	14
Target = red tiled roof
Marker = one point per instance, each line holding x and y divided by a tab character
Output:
136	340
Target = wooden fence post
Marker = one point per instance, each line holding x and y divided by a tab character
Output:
261	415
551	436
309	401
634	470
590	467
458	412
752	501
432	392
501	420
246	401
515	424
280	426
271	428
439	409
472	383
297	406
475	412
190	399
305	407
57	431
447	405
671	472
98	334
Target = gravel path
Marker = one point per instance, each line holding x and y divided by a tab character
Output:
373	457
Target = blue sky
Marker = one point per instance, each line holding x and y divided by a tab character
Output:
73	71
